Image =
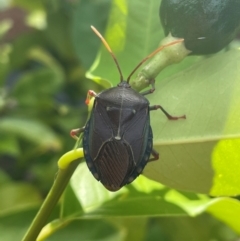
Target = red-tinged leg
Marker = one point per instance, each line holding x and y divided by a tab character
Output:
155	156
75	132
150	91
155	107
90	94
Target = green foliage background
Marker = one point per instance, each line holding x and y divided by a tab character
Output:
45	50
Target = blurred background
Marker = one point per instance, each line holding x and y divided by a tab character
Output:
42	89
43	61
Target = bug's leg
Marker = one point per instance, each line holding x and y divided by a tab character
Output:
73	155
155	156
90	94
150	91
155	107
75	132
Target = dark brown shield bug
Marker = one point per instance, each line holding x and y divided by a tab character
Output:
117	138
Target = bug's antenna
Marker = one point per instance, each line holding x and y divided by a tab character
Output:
151	55
109	50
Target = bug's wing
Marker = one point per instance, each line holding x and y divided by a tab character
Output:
114	164
99	130
138	135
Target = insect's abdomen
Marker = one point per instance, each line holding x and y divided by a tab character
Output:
114	164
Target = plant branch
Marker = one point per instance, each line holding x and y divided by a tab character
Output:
167	56
50	202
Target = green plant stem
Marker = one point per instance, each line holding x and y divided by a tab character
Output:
169	55
50	202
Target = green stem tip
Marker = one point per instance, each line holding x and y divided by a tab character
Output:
169	55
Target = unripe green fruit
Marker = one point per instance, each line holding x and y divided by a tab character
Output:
206	25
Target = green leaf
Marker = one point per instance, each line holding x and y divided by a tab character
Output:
143	198
86	230
147	198
48	79
18	222
18	197
43	57
31	130
29	5
224	209
9	145
20	47
5	25
200	153
70	204
4	178
5	50
87	13
58	28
